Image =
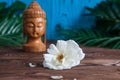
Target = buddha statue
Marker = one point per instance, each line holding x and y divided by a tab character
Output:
34	27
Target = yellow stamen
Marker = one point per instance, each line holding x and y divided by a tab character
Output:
60	57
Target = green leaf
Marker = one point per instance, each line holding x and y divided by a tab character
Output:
11	23
110	41
2	5
106	33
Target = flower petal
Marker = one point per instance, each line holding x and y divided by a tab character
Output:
72	44
74	53
74	49
53	65
56	77
61	45
52	49
49	65
81	54
49	57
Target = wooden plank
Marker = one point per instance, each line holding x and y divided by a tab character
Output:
99	64
79	72
91	53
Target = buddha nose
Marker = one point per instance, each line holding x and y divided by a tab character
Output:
35	29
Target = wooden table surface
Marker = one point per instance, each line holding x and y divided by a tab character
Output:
99	64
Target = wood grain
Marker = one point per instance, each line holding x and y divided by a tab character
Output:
99	64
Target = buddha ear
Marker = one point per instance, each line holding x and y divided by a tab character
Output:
45	34
44	38
24	34
24	29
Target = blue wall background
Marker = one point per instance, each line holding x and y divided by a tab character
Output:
67	13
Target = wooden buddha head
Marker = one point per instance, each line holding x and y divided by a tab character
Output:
34	27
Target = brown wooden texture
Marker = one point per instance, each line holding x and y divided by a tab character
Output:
99	64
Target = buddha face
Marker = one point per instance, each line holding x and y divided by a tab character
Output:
35	27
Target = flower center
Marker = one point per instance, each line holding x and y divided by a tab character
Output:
60	57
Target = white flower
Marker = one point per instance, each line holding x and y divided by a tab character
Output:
65	55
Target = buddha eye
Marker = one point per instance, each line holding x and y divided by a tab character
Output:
30	25
39	25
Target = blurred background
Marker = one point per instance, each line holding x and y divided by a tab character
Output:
88	22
